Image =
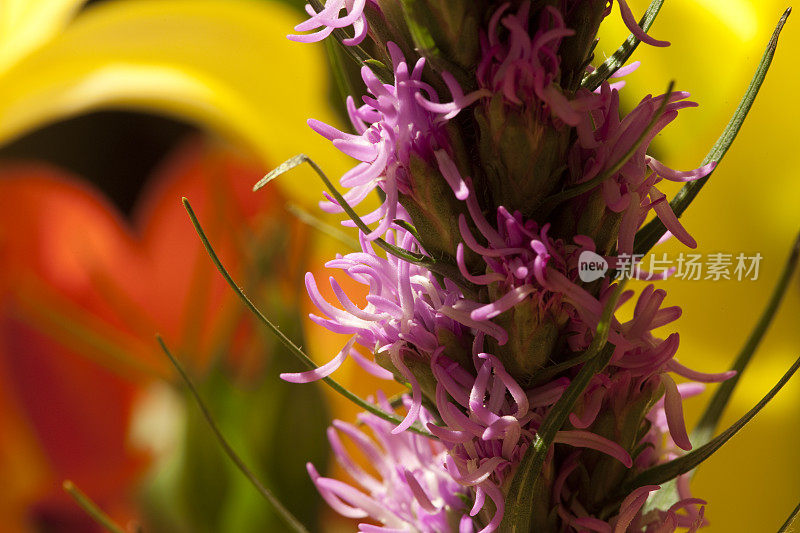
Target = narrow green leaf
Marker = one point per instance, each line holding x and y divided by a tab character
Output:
284	513
303	158
648	236
323	227
553	201
384	73
91	508
620	57
444	269
708	422
293	348
518	513
703	432
338	67
664	472
548	373
789	521
409	228
419	18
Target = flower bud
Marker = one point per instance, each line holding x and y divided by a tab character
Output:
622	421
533	337
445	32
433	208
521	155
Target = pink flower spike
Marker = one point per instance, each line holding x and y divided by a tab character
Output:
311	37
328	131
587	439
332	499
502	305
371	367
328	19
500	504
358	500
416	393
460	101
627	69
480	499
369	528
676	367
664	238
548	394
418	491
631	505
680	176
465	525
449	435
673	407
478	475
668	218
321	372
636	30
482	279
451	174
519	396
591	408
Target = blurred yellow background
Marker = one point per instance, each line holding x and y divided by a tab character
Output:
751	204
225	66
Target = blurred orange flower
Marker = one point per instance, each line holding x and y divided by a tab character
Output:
82	293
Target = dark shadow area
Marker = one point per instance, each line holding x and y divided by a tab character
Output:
114	150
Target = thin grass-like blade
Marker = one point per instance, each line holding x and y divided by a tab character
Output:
284	513
91	508
703	432
323	227
620	57
667	471
550	203
710	419
648	236
303	158
443	269
789	521
286	341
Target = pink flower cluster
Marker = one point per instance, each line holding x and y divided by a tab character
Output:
395	122
445	337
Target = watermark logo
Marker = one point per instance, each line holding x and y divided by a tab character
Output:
692	267
688	266
591	266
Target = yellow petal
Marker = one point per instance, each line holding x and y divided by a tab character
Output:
25	24
223	64
749	206
716	45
